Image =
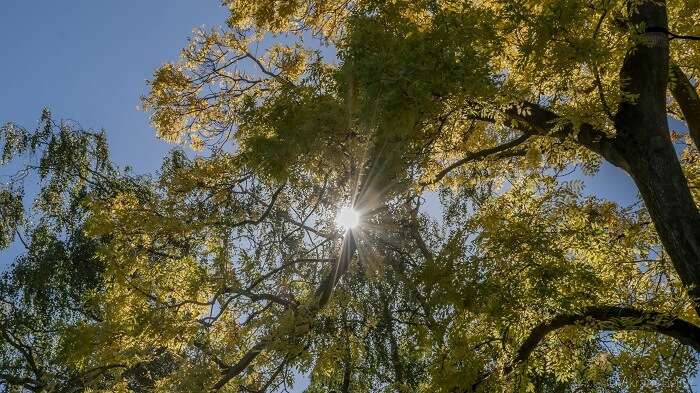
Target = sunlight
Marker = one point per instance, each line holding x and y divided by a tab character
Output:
347	218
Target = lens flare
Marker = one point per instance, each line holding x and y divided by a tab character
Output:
347	218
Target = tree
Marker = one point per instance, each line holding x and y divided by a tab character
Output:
227	273
42	292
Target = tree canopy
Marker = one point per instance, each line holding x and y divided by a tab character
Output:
479	263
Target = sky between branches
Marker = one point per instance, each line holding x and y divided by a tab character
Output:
88	61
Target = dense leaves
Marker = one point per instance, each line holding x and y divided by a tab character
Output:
459	131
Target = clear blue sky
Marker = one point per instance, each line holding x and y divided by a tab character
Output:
88	61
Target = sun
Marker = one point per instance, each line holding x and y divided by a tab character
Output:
347	218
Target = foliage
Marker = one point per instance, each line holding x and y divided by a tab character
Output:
480	264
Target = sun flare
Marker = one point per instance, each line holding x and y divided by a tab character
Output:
347	218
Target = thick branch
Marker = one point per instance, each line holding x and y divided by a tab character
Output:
502	149
538	120
606	318
687	98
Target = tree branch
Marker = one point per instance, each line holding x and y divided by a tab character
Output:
320	299
687	98
266	213
607	318
539	120
24	349
27	383
483	154
271	298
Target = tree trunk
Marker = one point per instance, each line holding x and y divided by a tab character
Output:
644	142
688	100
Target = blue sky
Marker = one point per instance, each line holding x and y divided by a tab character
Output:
88	61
